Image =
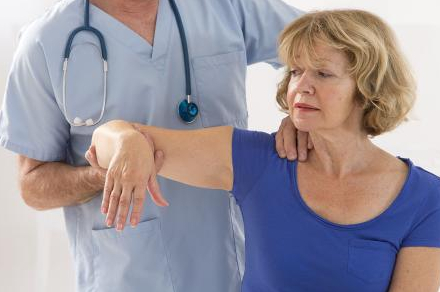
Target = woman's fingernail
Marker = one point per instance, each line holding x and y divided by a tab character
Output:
109	223
119	227
133	222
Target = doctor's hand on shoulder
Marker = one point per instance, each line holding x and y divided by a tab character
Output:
290	143
131	171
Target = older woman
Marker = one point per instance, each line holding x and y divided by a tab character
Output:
352	217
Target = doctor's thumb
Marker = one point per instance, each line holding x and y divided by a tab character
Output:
159	159
155	192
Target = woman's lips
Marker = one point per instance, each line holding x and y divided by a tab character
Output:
305	107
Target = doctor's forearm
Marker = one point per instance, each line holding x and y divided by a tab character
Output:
54	184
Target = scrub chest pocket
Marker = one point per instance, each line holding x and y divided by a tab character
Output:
371	260
128	260
221	88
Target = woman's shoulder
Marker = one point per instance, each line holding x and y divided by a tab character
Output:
423	202
427	179
254	139
424	184
418	179
256	145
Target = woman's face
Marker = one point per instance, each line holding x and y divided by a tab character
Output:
323	98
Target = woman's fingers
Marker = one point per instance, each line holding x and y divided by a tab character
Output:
113	204
130	173
138	205
123	206
108	188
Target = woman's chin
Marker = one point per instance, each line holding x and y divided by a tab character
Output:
303	125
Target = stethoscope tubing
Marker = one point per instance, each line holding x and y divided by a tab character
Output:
184	48
86	27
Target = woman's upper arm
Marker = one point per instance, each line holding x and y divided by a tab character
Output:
417	270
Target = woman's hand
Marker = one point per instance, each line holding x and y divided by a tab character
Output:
131	172
292	143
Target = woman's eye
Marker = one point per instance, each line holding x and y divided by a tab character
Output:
323	74
295	72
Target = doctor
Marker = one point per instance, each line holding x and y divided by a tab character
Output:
175	65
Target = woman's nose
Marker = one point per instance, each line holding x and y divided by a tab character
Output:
305	84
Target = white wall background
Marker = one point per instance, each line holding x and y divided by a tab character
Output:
34	253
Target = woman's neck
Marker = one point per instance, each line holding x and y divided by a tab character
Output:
338	153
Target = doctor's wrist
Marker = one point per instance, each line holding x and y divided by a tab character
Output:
89	182
96	178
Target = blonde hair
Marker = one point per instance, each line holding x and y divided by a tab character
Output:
385	85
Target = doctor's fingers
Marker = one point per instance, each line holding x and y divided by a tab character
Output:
155	192
153	185
124	206
289	133
279	140
279	144
113	203
302	145
91	157
159	159
309	142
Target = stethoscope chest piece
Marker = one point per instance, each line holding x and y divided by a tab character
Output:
188	111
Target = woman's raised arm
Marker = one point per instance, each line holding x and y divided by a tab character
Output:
201	158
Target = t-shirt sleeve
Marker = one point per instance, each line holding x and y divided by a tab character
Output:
262	21
31	122
251	152
426	227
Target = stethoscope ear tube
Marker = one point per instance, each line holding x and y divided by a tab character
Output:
86	27
78	122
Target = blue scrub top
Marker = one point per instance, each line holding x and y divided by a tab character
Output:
196	244
291	248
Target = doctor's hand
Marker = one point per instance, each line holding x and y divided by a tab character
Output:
292	143
132	171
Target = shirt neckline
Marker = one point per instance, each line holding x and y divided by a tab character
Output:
112	27
360	225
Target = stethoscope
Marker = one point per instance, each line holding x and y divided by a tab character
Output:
187	110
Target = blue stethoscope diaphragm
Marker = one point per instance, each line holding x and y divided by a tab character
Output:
187	110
